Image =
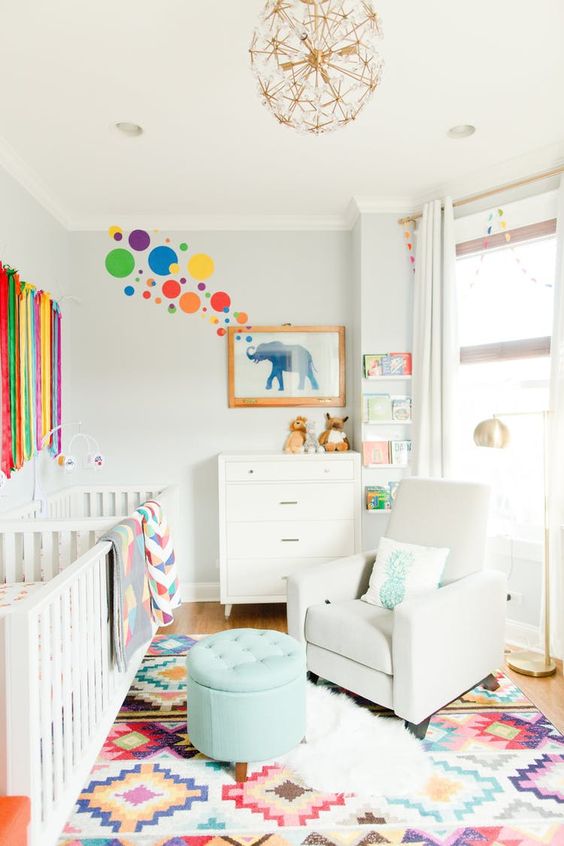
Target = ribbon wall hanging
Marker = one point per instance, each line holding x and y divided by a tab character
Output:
30	371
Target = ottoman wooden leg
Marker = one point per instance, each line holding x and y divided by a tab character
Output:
240	772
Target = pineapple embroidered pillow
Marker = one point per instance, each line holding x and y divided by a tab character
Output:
404	570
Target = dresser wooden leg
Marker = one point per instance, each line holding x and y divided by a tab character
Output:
228	611
240	772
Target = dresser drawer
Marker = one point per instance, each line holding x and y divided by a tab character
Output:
290	468
291	539
289	500
248	577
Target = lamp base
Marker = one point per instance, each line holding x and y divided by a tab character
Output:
531	664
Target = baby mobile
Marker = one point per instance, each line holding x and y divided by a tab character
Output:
169	277
30	370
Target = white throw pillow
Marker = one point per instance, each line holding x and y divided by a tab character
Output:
404	570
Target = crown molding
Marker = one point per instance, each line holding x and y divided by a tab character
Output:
25	176
378	205
215	223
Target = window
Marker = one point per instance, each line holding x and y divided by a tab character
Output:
505	307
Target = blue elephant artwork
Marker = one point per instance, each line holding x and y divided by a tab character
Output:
285	358
286	367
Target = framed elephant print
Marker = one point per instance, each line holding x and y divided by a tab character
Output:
287	366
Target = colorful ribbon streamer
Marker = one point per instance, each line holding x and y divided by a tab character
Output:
30	370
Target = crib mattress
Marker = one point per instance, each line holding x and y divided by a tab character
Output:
14	592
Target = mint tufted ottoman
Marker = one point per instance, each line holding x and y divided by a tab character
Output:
246	696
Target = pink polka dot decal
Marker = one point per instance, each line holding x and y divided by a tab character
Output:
156	255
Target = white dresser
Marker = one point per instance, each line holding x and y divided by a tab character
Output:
278	513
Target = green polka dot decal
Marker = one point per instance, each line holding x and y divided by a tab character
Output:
119	263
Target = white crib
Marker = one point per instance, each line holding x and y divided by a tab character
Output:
59	690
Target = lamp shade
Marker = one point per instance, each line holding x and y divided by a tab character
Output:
492	433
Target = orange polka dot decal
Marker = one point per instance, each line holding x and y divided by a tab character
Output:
180	278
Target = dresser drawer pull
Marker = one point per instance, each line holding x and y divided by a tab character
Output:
251	471
288	502
290	540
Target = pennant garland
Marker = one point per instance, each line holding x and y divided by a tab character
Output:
408	227
30	371
498	216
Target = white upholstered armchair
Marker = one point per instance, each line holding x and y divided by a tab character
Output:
427	651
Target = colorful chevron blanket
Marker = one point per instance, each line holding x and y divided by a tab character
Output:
130	598
162	572
143	579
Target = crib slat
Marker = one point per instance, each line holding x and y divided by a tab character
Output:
90	652
83	677
11	570
57	716
75	638
67	681
107	503
97	642
45	710
104	634
28	556
65	551
47	562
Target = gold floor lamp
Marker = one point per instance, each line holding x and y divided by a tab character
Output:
495	434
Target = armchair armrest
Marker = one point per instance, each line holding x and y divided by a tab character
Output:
344	578
446	642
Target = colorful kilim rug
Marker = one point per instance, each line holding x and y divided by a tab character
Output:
498	780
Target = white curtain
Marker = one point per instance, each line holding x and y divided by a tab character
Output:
555	487
435	346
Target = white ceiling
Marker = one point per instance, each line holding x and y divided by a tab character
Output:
180	68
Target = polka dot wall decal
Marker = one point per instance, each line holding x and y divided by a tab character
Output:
189	302
220	301
200	266
160	260
139	240
119	263
171	289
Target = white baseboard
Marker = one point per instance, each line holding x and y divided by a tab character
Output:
199	591
522	634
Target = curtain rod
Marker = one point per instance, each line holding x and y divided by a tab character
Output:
491	192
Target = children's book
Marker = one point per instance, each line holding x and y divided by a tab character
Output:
376	452
400	452
377	498
401	409
373	365
398	364
378	408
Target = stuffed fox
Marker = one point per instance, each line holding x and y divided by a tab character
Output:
334	436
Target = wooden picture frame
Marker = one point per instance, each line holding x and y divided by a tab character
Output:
303	368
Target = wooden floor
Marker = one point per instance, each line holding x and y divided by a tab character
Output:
208	617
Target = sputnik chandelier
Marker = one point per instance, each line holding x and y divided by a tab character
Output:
316	61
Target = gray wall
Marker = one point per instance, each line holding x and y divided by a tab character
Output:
152	387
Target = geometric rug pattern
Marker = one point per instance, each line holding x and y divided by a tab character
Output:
497	779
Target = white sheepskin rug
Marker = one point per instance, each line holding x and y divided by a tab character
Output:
350	750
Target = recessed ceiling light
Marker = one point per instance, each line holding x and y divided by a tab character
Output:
463	130
131	129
